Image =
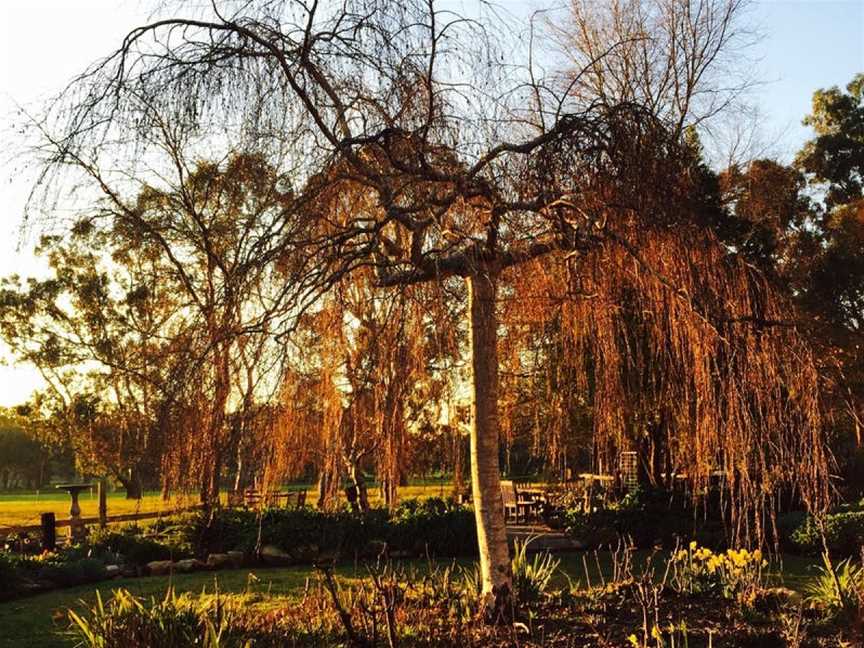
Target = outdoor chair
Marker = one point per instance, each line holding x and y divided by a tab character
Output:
511	506
515	509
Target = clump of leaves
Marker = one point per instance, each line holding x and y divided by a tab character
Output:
531	575
837	590
126	621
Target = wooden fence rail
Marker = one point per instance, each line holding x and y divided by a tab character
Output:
248	498
87	521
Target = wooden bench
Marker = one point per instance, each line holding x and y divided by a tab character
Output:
252	498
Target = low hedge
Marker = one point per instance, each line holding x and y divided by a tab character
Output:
646	519
10	576
58	569
131	547
431	526
645	528
844	533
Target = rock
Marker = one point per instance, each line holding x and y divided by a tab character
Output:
374	549
219	561
160	567
35	587
273	555
400	554
774	597
326	557
113	571
189	565
237	558
305	553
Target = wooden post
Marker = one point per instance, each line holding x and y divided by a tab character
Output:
49	532
103	504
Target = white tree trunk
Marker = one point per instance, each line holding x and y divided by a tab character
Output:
485	475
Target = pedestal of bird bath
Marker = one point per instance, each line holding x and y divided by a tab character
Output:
77	532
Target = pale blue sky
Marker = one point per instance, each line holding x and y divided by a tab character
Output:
808	44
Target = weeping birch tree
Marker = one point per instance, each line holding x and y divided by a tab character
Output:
425	146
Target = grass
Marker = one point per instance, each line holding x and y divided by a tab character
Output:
24	509
39	621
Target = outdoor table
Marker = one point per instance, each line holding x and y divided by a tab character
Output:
76	528
533	494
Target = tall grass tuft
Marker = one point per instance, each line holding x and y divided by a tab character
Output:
531	575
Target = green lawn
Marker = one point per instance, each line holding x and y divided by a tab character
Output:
39	621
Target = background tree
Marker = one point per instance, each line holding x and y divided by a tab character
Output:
831	260
370	354
26	461
95	330
163	295
682	60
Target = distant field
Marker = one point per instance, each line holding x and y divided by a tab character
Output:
18	509
21	509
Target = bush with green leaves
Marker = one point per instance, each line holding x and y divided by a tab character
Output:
67	573
844	534
10	576
431	526
132	547
340	532
646	519
644	527
63	568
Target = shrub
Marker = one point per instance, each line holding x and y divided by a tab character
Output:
135	548
22	542
844	533
641	518
431	525
77	572
63	568
10	576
